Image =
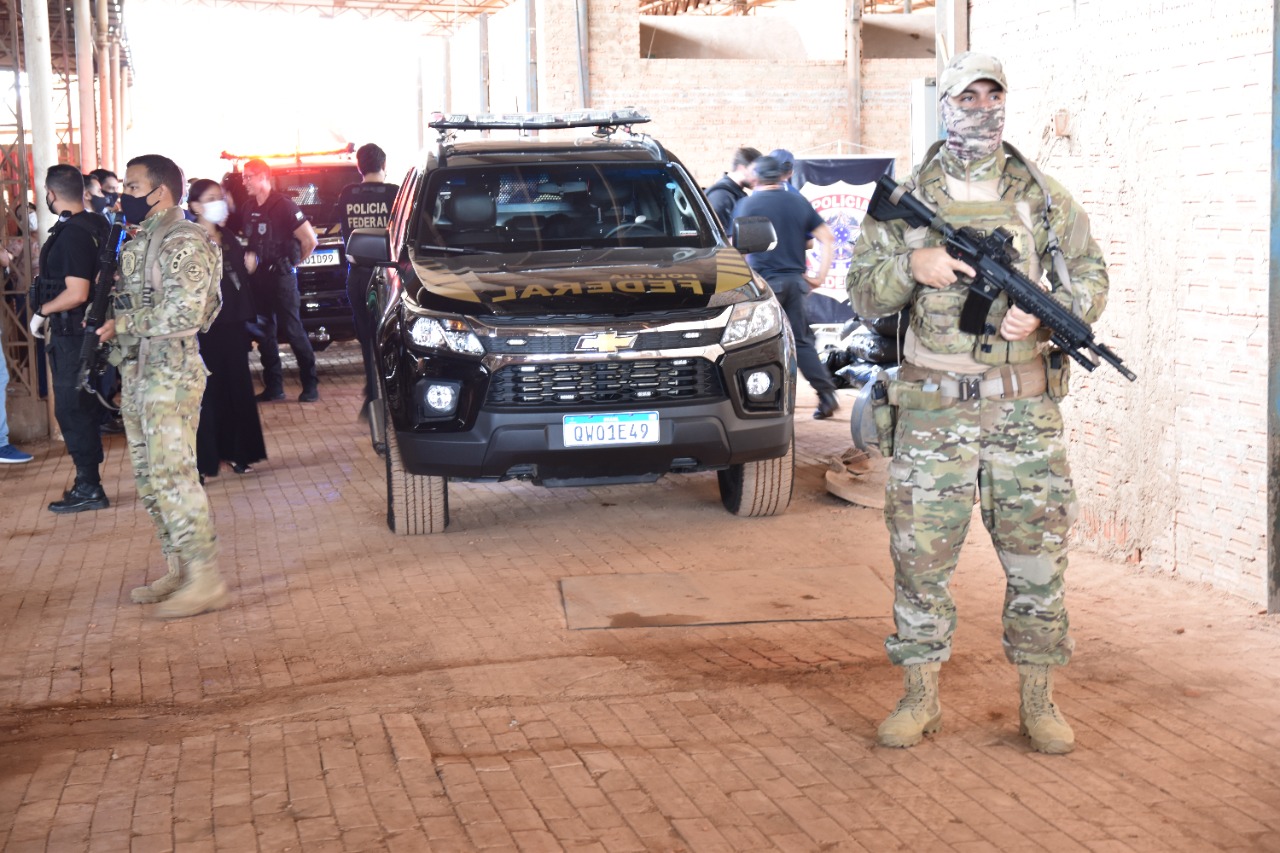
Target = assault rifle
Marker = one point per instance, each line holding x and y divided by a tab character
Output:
989	255
92	356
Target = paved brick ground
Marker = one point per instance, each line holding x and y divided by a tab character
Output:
369	692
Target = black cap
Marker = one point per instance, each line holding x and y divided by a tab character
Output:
767	169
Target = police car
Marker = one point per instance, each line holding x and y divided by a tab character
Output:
314	180
568	311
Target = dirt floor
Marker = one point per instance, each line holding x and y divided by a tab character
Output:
370	692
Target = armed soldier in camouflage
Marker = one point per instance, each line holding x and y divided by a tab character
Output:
978	412
167	292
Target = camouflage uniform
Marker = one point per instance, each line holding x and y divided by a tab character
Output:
163	377
1010	451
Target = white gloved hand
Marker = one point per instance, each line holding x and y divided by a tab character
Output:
37	325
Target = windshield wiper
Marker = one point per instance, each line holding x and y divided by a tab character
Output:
454	250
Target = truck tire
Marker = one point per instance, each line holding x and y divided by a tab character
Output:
416	503
759	489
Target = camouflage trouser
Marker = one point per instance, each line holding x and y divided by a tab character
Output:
1013	453
161	409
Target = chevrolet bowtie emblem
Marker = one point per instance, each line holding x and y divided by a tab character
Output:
605	342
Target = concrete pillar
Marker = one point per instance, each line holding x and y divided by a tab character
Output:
531	56
84	77
117	102
38	60
105	121
483	23
39	65
853	56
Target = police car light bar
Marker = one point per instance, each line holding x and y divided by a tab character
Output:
539	121
349	148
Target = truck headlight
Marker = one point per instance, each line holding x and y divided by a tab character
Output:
752	321
443	333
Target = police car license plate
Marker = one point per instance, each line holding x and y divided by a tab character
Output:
321	258
611	429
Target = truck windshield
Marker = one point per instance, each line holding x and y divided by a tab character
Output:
514	208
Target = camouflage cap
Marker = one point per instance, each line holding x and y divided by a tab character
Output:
966	67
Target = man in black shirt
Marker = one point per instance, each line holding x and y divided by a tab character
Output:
365	205
280	237
730	189
783	266
68	265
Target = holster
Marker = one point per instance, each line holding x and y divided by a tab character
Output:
1057	374
885	417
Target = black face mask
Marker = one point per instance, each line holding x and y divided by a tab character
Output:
135	208
99	203
110	197
49	202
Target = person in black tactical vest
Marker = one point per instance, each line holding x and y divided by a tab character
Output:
280	237
365	205
68	265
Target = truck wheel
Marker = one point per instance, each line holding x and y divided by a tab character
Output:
416	504
757	489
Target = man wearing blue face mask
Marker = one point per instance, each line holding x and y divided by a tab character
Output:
167	293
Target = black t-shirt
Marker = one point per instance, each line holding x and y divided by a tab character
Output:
72	247
365	206
793	218
269	227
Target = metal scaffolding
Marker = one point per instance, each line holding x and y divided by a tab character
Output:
60	64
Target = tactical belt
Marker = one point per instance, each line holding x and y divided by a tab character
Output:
1006	382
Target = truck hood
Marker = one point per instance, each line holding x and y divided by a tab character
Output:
607	281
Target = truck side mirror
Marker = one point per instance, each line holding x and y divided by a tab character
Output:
369	247
753	234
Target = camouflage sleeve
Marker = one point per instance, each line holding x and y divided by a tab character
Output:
191	268
1085	264
879	280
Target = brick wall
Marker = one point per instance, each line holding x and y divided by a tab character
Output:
1170	117
886	105
705	108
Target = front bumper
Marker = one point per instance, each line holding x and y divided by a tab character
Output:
530	445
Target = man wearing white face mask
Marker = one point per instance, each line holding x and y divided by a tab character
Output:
978	413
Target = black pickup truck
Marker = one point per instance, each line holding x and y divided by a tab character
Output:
568	311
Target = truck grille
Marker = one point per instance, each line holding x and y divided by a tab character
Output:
543	344
576	383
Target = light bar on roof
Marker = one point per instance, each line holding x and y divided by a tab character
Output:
539	121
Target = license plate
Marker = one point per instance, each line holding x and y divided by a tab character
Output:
611	429
321	258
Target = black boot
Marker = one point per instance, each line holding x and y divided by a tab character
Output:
83	496
827	405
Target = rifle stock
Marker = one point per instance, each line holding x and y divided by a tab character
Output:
987	254
96	314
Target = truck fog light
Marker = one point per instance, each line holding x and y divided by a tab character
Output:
442	398
759	384
436	398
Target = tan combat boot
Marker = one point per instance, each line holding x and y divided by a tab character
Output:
202	590
919	711
1041	720
160	589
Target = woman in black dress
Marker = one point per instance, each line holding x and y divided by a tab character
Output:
229	427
